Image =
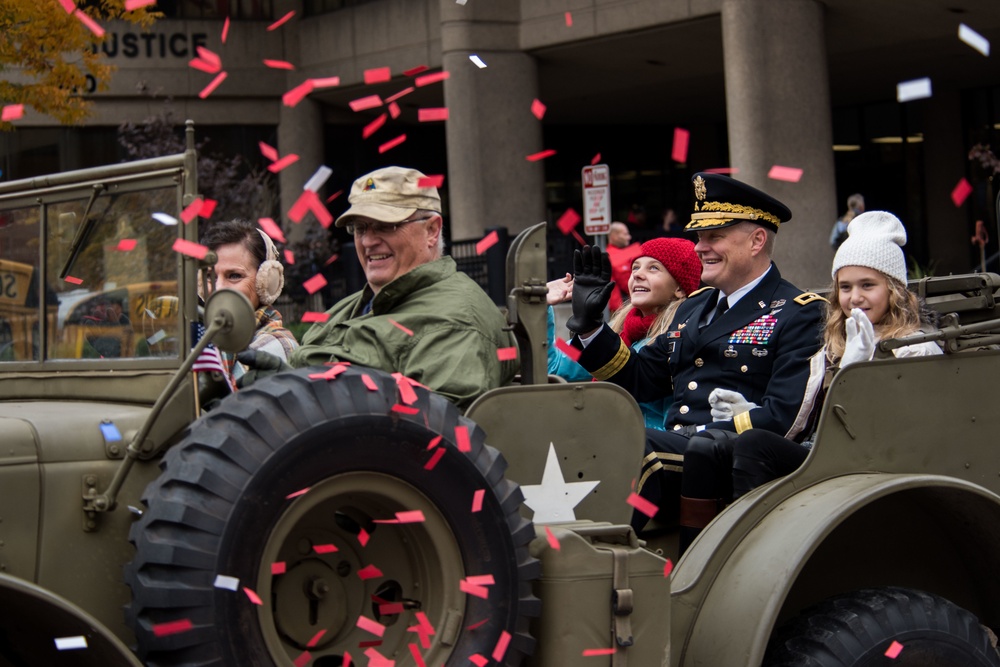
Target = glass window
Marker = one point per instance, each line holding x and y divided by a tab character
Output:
19	262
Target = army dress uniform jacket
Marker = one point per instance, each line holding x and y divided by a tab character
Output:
760	347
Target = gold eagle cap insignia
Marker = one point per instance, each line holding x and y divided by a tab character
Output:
700	192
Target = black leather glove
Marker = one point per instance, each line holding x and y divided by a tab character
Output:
591	289
258	365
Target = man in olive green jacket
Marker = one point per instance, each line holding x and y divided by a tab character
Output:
417	315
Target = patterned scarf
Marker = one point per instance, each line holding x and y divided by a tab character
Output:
636	326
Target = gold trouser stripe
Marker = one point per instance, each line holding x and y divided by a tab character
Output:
742	422
656	456
651	463
616	364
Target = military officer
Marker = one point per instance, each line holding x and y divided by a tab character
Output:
750	334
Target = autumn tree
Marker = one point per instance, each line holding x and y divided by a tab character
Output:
47	53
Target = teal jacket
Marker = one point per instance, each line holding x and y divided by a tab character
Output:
432	324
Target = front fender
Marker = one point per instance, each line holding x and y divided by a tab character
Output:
760	562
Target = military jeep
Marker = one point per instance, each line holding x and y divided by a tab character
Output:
340	515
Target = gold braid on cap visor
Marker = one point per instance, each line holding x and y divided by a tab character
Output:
712	212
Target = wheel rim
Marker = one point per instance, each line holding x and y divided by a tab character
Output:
420	563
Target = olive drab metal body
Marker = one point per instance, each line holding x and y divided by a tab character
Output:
352	504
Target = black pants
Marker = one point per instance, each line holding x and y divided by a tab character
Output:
719	464
660	479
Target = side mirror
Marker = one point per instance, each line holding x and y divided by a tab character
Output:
234	313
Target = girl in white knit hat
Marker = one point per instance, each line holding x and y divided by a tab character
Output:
868	302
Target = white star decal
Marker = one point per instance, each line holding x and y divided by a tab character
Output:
553	500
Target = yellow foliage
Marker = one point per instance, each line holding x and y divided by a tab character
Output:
47	53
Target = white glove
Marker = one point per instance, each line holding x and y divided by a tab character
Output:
860	345
727	404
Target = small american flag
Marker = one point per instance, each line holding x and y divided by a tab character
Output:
209	359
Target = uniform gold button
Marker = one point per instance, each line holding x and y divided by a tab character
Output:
685	409
677	427
692	385
743	369
699	362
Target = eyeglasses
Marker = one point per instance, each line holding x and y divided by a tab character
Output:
379	228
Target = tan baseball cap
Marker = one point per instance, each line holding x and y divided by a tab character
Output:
390	194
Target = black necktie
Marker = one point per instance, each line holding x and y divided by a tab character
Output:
721	308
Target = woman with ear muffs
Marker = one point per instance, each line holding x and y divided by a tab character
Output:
248	263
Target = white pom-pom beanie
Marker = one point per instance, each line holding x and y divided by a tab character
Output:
875	240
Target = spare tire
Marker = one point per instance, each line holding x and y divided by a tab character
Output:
349	515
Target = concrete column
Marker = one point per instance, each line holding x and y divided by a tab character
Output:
778	110
948	229
300	131
490	127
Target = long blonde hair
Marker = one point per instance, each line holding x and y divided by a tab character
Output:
902	318
664	317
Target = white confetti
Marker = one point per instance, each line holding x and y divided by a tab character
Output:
916	89
157	337
478	61
973	39
71	643
165	219
460	2
229	583
317	180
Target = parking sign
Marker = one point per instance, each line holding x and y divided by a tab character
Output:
596	199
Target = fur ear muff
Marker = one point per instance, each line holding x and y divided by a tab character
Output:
270	274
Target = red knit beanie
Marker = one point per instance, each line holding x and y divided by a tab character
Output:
679	258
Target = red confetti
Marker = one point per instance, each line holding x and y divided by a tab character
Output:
567	349
68	5
590	652
190	248
125	245
404	92
415	652
303	659
330	199
368	102
579	239
268	151
642	505
434	442
553	541
363	537
191	211
680	150
278	568
376	659
541	155
569	20
325	82
478	660
369	382
369	572
595	159
278	64
316	637
210	57
373	126
389	145
12	112
473	589
225	30
132	5
390	609
729	171
501	648
208	208
961	192
298	93
537	108
368	625
507	353
282	21
428	79
330	374
413	71
347	660
404	409
210	88
406	393
314	284
894	650
400	327
325	548
204	66
377	75
431	114
668	567
272	229
477	500
394	110
430	181
172	627
289	256
433	461
568	221
487	242
790	174
277	166
410	516
91	24
253	596
333	258
462	439
309	201
478	624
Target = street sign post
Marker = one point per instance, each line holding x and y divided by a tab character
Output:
596	200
